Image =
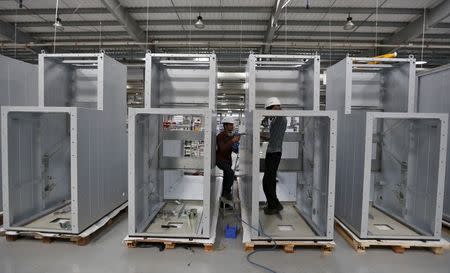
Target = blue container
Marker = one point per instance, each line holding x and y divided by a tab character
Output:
231	232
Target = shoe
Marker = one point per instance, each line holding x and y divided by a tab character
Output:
279	206
271	211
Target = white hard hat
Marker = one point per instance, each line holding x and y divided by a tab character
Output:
271	102
228	120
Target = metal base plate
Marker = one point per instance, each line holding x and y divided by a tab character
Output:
177	226
380	224
51	221
288	223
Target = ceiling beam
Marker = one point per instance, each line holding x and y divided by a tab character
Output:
227	39
125	19
225	32
10	32
415	28
214	22
273	23
238	9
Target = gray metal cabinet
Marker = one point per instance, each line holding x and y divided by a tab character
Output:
306	173
305	184
390	159
173	190
64	161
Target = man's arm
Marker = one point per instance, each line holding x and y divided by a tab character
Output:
224	143
265	136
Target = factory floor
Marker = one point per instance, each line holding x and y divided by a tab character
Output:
107	254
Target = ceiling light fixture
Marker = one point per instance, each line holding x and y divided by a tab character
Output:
421	62
349	24
58	24
199	23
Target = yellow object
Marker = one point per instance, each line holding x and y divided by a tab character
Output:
387	55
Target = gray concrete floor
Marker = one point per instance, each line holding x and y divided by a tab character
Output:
107	254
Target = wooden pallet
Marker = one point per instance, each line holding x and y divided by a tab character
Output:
326	247
79	239
398	246
168	243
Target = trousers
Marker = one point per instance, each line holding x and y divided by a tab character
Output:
228	176
271	164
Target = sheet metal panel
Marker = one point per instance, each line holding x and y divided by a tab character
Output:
71	80
102	168
312	192
41	140
18	86
246	163
350	153
411	188
180	80
374	83
210	158
294	79
399	87
433	96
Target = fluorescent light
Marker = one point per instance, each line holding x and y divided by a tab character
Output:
421	62
202	59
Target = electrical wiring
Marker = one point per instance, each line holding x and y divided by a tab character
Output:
261	231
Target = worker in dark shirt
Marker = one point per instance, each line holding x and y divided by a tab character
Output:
277	129
225	141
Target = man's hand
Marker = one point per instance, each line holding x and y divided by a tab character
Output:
236	139
264	136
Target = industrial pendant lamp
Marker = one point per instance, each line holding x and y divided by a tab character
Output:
58	24
199	23
349	24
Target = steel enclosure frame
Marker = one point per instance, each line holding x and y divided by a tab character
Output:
17	82
370	117
97	162
432	96
313	96
251	189
73	162
100	80
353	183
351	61
150	94
209	185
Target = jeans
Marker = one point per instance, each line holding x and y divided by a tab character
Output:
270	178
228	176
